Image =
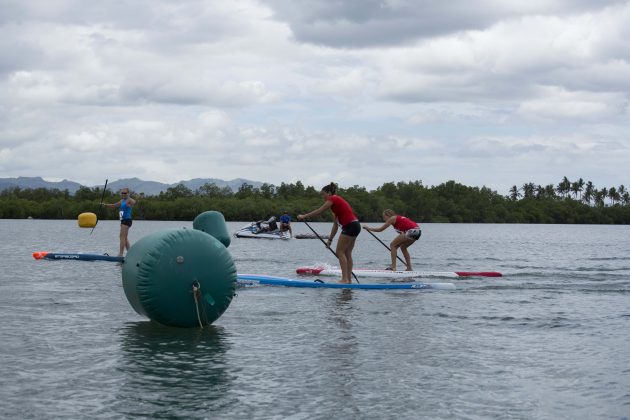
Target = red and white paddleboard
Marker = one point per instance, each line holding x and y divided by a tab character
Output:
365	272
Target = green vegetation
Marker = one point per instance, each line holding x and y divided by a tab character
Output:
568	202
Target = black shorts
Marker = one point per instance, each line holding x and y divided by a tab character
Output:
126	222
351	229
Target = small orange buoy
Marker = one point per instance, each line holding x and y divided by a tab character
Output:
39	255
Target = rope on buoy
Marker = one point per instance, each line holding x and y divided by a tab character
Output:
197	294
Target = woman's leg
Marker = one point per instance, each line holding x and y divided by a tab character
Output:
403	247
124	242
345	244
402	242
349	261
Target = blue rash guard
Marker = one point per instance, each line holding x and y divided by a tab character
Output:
125	210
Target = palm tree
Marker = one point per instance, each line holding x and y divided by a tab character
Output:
575	189
588	192
603	194
514	193
580	185
626	198
528	190
613	195
564	186
550	191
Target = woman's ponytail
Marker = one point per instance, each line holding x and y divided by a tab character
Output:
330	188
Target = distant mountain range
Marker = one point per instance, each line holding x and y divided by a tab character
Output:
135	184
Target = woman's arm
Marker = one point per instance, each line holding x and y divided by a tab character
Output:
388	223
319	211
116	204
333	232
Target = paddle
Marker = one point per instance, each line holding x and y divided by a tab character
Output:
385	245
100	206
325	244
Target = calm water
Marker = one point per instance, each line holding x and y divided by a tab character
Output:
549	340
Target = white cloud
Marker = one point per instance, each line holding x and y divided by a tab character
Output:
361	23
361	92
508	59
555	103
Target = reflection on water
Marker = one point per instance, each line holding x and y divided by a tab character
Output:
180	371
339	354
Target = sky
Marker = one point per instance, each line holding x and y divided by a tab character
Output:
361	92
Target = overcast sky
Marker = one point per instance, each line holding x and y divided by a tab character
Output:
485	92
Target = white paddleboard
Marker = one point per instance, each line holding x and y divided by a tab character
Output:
375	273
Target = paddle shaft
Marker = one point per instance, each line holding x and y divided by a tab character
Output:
385	245
326	245
100	206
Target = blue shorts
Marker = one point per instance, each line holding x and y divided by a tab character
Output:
126	222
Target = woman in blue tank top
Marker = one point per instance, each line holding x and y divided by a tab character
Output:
126	219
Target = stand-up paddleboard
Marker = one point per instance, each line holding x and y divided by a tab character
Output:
78	256
364	272
254	279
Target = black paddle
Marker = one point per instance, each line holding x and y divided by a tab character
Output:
325	244
385	245
100	206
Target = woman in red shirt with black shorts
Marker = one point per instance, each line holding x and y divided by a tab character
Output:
409	233
350	227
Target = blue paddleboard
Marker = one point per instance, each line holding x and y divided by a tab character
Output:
77	256
254	279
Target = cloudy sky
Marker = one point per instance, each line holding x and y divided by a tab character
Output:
485	92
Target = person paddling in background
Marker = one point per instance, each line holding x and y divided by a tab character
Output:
126	218
285	223
350	227
409	233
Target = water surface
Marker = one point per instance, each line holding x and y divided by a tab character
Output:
551	339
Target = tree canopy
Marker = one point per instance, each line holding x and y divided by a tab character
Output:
567	202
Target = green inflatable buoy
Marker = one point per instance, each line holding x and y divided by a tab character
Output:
179	277
213	223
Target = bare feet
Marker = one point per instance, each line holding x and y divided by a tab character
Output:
409	269
344	281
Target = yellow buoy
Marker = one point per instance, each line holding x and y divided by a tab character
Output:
87	220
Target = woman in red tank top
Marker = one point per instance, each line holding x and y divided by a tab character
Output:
350	228
409	233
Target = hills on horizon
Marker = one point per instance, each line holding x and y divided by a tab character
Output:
134	184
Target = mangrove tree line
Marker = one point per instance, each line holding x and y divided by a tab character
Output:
567	202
